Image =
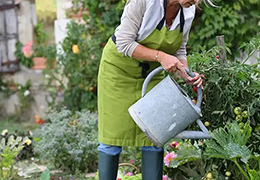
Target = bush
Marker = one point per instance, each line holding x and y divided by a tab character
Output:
82	49
231	100
69	141
229	85
238	21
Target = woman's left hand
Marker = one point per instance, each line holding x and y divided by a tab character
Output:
197	80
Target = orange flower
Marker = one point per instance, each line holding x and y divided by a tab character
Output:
38	120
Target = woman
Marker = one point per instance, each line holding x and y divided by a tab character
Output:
152	33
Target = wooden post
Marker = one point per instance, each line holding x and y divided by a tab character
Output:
222	52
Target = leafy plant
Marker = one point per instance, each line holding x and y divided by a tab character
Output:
229	143
134	177
46	175
82	49
229	85
131	155
41	48
8	151
187	161
41	35
69	141
236	20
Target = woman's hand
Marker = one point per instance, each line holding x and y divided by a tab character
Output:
171	64
197	80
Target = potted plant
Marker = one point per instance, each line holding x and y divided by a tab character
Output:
38	55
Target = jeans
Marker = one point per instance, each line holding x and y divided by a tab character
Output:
114	150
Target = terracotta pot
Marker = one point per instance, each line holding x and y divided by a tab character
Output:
40	63
12	87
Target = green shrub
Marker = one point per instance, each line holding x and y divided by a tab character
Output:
238	21
69	141
228	87
82	49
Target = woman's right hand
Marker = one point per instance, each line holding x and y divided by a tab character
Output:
171	64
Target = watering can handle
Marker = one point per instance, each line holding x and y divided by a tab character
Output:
160	69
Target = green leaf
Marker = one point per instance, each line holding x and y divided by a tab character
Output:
46	175
229	143
186	153
237	151
254	175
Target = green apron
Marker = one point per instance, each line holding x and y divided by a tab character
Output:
120	82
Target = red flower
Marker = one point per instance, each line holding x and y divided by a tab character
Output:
217	56
132	161
38	120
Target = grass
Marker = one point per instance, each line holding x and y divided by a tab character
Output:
12	126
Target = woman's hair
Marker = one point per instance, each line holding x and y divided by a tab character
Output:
209	3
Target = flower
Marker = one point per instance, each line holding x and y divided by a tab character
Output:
92	56
217	56
19	87
38	120
3	88
47	76
132	161
175	144
129	174
27	50
4	132
28	142
26	93
75	49
30	133
165	177
168	158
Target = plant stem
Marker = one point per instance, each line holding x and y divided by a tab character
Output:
242	171
248	56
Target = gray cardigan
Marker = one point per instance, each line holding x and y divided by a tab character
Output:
140	18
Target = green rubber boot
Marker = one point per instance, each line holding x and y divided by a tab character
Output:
107	166
152	165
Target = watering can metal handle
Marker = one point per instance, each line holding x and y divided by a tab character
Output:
160	69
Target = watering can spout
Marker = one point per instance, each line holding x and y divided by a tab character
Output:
192	135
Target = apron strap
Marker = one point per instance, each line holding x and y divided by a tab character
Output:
182	19
160	25
145	69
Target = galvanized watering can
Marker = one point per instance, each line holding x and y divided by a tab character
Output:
166	110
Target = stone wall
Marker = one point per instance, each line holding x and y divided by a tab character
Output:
27	19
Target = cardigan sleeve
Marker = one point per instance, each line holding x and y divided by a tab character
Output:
181	53
126	33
